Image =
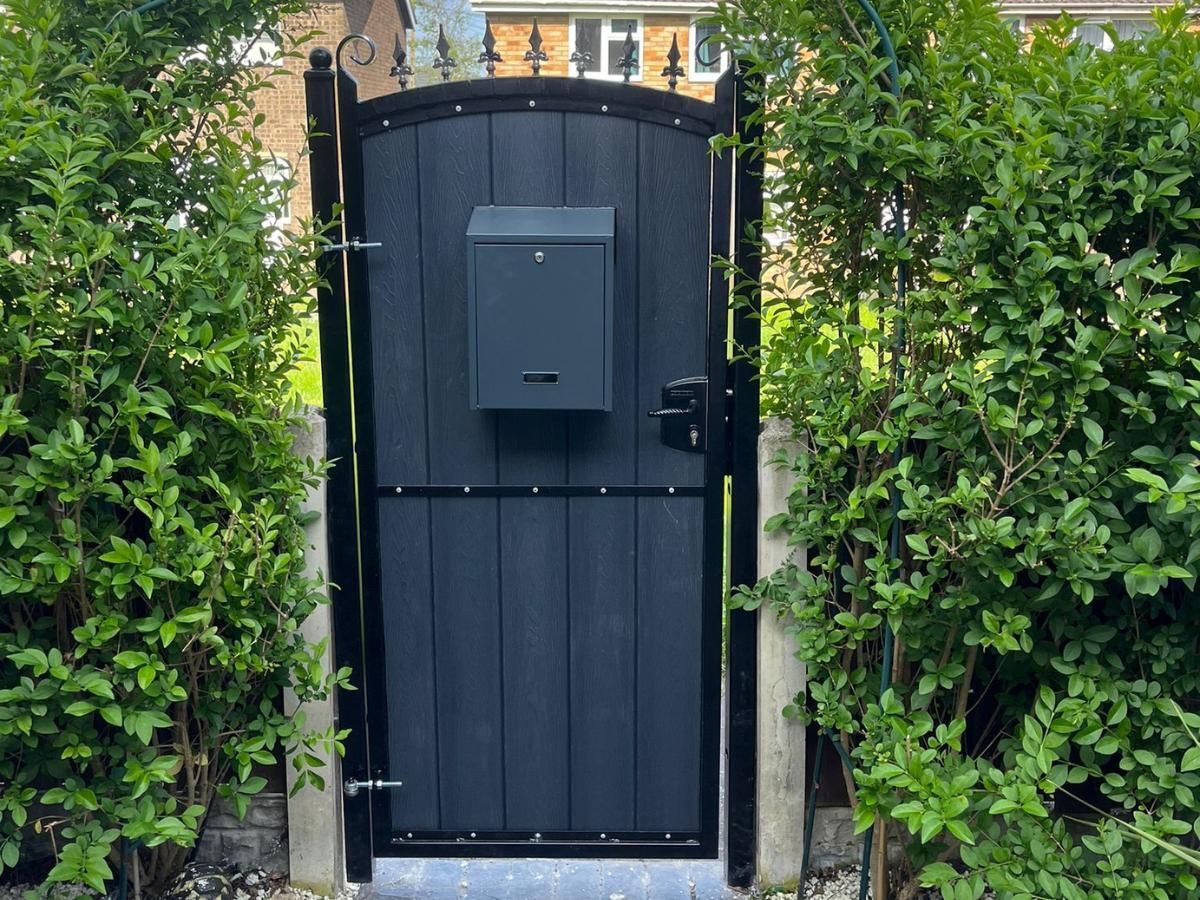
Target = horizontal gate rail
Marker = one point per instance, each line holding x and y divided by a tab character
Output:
539	490
460	98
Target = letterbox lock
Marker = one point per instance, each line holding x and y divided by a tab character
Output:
539	257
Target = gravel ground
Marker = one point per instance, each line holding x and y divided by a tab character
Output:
839	885
349	892
842	884
253	885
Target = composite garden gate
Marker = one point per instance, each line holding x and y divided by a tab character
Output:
530	588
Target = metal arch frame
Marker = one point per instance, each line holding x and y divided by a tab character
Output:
341	124
486	95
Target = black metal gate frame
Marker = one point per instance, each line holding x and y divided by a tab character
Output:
339	124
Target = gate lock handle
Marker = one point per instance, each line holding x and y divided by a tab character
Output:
673	410
681	417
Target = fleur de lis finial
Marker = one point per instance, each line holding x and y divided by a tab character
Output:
581	59
444	62
673	71
489	56
628	61
535	54
401	71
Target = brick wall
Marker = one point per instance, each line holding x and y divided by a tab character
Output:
284	128
512	40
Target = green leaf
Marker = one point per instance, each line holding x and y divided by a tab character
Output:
917	543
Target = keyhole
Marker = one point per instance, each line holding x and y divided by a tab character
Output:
539	257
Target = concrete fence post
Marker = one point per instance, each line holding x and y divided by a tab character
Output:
315	817
781	769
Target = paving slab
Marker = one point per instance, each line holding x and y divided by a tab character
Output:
550	879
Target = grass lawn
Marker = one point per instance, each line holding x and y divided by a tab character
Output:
306	380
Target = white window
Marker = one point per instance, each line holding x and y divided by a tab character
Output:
1094	33
277	172
708	56
603	37
258	50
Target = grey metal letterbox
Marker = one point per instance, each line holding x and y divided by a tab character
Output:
539	305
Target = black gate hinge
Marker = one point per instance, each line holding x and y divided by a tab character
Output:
352	244
353	786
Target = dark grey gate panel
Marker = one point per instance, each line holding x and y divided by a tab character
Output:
550	618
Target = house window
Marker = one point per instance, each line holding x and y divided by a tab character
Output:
1093	32
708	57
602	37
258	50
277	172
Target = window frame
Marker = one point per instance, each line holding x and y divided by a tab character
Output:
695	75
1107	43
1017	22
283	174
605	30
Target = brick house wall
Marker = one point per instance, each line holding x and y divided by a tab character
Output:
285	124
512	40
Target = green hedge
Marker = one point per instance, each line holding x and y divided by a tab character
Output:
151	540
1039	738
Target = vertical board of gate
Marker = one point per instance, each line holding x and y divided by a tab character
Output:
315	817
781	782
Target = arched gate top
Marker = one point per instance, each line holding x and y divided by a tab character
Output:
487	95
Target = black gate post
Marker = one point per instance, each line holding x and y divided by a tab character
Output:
345	594
743	539
372	678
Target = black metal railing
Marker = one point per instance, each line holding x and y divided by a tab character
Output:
537	54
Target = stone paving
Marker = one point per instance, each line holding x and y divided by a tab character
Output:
551	879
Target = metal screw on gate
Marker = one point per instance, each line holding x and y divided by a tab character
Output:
532	104
458	108
670	490
604	108
399	490
676	121
472	834
668	837
603	836
535	490
604	490
410	834
467	490
539	257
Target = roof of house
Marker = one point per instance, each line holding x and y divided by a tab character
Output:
1107	9
613	7
406	13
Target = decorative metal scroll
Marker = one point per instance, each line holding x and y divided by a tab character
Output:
489	57
444	62
401	71
628	61
705	47
355	39
535	55
673	71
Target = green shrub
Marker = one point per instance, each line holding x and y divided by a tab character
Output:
151	539
1048	495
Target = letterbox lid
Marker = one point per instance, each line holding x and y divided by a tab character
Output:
570	223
